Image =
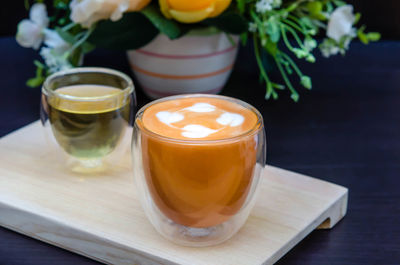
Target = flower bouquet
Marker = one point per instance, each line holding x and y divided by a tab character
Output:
281	29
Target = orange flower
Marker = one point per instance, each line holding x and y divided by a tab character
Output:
192	11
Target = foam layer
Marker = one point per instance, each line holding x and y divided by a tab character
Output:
200	118
93	99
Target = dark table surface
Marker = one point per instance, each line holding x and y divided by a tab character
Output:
346	130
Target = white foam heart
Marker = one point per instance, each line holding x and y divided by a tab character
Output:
196	131
231	119
201	107
169	117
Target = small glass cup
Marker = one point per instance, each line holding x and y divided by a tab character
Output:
197	192
86	112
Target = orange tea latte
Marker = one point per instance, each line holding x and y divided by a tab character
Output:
199	157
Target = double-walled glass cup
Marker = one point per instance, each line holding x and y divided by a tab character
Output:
197	192
86	113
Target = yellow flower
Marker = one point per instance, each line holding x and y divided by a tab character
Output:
87	12
192	11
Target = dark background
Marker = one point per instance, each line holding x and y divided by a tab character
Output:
379	15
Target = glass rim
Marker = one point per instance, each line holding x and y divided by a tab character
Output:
255	129
130	87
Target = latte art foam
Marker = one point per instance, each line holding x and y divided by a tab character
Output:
201	107
196	131
231	119
199	118
168	117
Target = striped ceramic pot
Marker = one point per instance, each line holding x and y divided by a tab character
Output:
191	64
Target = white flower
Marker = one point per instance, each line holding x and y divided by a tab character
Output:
252	27
277	3
310	44
328	48
54	60
30	31
349	38
263	6
55	52
341	23
87	12
53	40
329	51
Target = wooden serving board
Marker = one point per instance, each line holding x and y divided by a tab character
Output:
100	216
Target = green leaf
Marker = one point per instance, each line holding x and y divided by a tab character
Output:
362	36
231	40
288	69
306	82
373	36
300	53
124	34
60	4
241	6
329	7
167	26
38	64
75	57
357	18
273	29
26	4
307	22
295	97
35	82
62	21
65	35
230	22
278	86
272	48
87	47
320	16
244	38
310	58
339	3
314	7
39	71
274	95
292	7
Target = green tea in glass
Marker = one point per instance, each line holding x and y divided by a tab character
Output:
87	111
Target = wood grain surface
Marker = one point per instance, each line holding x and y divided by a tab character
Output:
100	216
